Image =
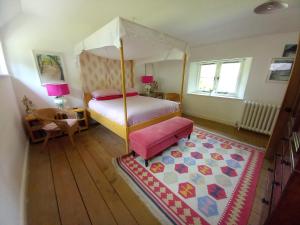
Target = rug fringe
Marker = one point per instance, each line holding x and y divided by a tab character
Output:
142	196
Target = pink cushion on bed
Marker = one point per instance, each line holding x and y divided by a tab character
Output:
105	92
110	97
132	94
152	140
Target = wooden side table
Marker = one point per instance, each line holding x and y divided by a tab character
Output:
81	116
34	126
154	95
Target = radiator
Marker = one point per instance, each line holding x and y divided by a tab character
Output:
259	117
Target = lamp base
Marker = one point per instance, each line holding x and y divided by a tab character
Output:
147	89
60	102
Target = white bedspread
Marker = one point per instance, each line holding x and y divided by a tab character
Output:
139	108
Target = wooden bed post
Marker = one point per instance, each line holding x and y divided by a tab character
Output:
132	73
124	94
182	80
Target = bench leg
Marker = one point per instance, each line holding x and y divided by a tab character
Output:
189	136
146	162
133	153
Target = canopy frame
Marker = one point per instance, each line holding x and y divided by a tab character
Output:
123	78
174	50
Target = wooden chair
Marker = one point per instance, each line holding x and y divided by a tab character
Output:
172	97
56	120
175	97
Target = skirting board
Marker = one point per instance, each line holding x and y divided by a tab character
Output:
23	199
233	124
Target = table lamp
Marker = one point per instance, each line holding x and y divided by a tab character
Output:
58	90
147	80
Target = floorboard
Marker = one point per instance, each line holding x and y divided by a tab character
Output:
42	206
104	162
78	185
246	136
71	207
96	207
112	199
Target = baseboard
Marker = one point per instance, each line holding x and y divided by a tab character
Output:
201	116
23	200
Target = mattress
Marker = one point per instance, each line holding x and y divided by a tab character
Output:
139	109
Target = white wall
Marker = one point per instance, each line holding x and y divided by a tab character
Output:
13	146
30	32
228	111
168	74
27	33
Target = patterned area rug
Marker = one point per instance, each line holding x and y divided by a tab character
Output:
209	179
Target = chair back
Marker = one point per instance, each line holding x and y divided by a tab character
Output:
47	114
172	97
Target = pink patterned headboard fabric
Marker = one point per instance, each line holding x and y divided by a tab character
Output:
102	73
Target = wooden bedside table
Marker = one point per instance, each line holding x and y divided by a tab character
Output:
154	95
34	126
81	116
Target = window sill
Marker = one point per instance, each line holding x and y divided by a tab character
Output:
214	95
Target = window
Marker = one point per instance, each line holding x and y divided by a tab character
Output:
207	76
3	68
219	78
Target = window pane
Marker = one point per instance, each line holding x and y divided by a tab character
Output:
228	77
206	79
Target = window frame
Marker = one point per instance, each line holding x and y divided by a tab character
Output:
217	76
200	64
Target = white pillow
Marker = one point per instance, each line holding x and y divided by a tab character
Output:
105	92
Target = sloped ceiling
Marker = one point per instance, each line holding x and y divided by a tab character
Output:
8	10
196	21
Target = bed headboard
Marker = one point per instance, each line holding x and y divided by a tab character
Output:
102	73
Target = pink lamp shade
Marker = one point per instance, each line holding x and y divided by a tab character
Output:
57	89
147	79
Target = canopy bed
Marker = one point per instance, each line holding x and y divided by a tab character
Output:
110	54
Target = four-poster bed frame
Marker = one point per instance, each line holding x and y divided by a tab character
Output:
124	130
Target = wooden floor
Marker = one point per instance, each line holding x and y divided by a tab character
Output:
79	185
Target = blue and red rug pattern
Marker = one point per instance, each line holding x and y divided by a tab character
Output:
209	179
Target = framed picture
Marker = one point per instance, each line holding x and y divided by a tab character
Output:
289	50
280	69
50	66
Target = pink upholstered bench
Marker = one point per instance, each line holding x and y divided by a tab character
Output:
152	140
